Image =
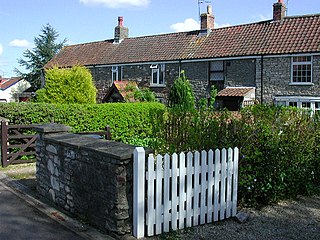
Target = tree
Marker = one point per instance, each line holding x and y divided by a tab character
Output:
68	85
181	95
35	59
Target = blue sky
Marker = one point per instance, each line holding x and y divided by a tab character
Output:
92	20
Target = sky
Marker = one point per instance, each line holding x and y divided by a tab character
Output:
81	21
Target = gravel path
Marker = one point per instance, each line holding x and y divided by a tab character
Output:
294	220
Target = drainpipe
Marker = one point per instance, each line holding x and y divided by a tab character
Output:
261	79
179	68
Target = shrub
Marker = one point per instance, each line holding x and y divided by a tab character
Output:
74	85
128	121
279	147
278	150
181	96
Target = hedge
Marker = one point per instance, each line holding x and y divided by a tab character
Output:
128	121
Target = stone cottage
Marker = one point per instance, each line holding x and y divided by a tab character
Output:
276	60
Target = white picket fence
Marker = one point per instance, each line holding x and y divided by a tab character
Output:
183	190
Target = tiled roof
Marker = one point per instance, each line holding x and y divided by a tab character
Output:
234	92
299	34
8	82
84	54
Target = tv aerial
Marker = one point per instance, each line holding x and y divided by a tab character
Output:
199	6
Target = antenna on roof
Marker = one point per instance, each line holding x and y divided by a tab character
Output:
287	6
199	7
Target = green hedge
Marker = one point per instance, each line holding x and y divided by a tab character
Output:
128	121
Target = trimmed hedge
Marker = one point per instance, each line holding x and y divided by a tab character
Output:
128	121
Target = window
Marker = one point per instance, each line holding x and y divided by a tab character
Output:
116	73
158	74
293	104
301	69
216	71
317	108
312	103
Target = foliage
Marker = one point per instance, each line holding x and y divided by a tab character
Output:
128	121
45	48
209	103
181	96
67	85
279	147
144	95
178	131
140	95
278	154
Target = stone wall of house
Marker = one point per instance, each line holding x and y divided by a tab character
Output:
198	75
240	73
277	79
244	72
90	178
102	79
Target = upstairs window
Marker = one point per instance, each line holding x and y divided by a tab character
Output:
116	73
157	74
301	69
216	71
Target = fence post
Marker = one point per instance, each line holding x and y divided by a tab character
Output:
108	132
4	143
138	191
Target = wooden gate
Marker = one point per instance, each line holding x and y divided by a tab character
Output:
17	143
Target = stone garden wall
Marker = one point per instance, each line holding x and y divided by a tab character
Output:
88	177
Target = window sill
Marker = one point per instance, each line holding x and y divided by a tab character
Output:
301	84
157	85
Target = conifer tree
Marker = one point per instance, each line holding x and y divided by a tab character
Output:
34	60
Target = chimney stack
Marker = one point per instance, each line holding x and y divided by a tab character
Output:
207	19
279	11
120	32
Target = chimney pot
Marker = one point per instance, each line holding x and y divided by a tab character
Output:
209	9
120	32
120	21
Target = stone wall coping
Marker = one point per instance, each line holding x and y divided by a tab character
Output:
116	150
52	128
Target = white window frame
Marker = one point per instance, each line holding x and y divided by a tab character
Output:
159	70
216	71
115	73
308	63
300	102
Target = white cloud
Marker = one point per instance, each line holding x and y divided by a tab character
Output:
216	25
261	17
22	43
1	49
117	3
188	25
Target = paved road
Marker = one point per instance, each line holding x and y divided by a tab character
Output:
21	221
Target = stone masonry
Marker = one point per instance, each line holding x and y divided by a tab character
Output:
276	73
90	178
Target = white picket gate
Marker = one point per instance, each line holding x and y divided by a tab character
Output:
183	190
